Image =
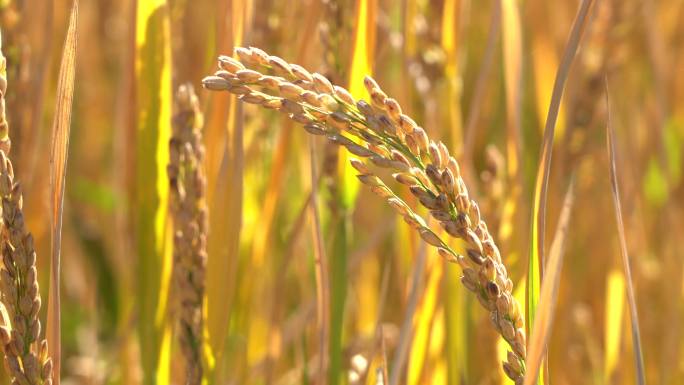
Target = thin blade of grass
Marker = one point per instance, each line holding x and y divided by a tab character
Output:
58	162
549	292
536	259
631	298
152	225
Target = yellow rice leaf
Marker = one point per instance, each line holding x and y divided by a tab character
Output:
423	319
437	363
440	373
361	65
615	303
364	43
450	36
153	78
367	294
456	317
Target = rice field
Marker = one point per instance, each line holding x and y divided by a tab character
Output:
341	192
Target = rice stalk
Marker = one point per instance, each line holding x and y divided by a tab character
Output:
188	208
322	273
26	354
392	140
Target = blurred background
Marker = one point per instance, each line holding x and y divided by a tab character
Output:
477	75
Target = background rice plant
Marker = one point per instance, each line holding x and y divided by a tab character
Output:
477	75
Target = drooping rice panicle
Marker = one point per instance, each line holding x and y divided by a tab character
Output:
26	354
189	211
380	133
